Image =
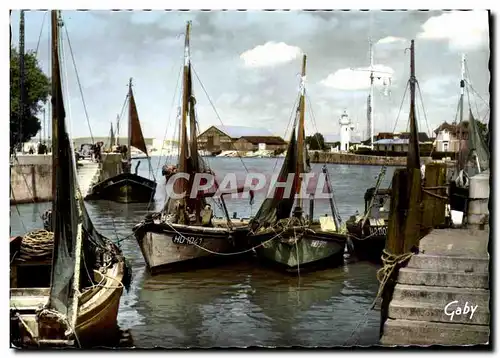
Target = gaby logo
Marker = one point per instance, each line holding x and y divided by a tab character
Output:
206	184
452	309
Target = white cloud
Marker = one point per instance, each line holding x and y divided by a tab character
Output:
439	85
390	40
465	30
270	54
356	79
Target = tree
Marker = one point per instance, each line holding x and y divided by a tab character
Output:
316	142
37	90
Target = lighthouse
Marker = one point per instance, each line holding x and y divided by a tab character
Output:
346	127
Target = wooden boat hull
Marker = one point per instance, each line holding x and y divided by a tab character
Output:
368	242
124	188
97	314
179	247
312	249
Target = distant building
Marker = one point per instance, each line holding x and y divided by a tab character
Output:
391	145
448	137
217	138
252	143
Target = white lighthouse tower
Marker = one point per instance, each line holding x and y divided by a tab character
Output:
346	126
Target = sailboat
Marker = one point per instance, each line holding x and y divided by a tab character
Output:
473	157
109	148
288	238
128	187
186	230
71	296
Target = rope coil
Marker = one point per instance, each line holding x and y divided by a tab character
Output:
36	245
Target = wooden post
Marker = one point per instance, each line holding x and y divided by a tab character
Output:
393	243
405	218
434	207
34	192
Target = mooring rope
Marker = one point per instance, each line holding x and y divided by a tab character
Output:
426	191
390	262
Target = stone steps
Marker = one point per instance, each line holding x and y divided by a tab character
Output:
436	313
449	263
441	295
88	174
415	276
409	332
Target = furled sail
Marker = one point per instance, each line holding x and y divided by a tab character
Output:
65	211
279	207
68	210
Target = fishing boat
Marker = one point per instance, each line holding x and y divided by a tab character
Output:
128	187
185	230
289	238
369	231
473	154
65	283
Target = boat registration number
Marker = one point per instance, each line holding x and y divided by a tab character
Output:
318	243
378	230
187	240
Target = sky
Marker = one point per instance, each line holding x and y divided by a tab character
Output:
249	65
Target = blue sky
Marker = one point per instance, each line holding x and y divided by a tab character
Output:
249	64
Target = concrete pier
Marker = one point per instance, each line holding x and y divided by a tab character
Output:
359	159
31	176
436	293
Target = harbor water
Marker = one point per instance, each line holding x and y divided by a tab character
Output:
240	304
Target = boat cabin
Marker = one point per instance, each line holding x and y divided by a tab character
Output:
381	205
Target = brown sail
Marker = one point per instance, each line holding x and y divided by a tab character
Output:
136	137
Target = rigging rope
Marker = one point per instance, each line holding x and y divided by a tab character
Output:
217	114
423	109
288	126
40	35
470	85
79	84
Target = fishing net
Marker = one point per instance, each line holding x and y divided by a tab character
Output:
478	150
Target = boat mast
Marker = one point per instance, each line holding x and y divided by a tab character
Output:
55	121
460	134
181	184
413	149
117	129
129	154
370	98
462	86
300	138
